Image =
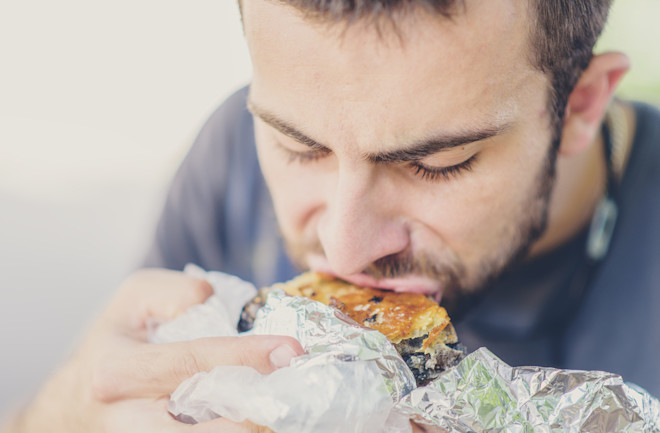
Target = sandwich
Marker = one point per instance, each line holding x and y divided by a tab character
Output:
419	329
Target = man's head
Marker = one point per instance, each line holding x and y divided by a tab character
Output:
412	145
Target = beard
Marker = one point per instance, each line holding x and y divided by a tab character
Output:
464	287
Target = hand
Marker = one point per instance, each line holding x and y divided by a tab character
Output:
117	382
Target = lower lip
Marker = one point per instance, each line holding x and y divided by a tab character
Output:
410	284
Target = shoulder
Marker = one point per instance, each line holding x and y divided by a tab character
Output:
648	118
224	146
232	112
618	327
646	138
229	123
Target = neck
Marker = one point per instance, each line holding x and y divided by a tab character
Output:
579	184
581	181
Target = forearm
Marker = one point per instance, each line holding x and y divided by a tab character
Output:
45	413
13	424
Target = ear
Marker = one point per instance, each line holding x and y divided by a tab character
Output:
589	100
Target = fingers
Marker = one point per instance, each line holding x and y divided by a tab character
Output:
156	294
154	370
226	426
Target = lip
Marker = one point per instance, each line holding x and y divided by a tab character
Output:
407	284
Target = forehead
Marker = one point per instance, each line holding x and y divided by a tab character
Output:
381	83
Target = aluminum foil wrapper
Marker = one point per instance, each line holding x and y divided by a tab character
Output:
352	380
484	394
323	330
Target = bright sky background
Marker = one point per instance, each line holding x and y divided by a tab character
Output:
98	103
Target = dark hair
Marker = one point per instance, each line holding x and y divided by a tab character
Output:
562	35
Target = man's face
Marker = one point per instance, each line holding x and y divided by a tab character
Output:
412	158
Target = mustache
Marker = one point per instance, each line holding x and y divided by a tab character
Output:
449	273
420	264
402	264
397	265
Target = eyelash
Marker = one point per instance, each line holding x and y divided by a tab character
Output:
430	174
433	174
303	157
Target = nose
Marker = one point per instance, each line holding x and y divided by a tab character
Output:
360	223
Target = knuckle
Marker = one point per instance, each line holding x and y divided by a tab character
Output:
199	290
187	364
245	354
252	355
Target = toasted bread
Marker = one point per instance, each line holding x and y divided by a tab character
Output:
418	327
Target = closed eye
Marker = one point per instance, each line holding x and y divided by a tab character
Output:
425	172
303	156
435	174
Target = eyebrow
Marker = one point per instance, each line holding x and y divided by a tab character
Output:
421	149
414	152
284	127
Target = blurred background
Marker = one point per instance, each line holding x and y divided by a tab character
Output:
99	102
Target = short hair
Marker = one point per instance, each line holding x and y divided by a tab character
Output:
562	35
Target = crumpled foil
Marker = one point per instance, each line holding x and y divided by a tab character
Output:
484	394
352	380
323	330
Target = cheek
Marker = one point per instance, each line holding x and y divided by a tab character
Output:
295	191
477	213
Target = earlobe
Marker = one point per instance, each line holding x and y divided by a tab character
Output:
589	100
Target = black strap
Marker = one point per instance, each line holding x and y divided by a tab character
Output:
608	145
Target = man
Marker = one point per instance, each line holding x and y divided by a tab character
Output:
452	148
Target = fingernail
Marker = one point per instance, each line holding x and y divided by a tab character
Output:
282	356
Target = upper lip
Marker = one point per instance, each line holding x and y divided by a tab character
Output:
409	283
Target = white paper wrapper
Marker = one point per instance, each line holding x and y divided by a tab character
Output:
217	317
351	378
329	395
